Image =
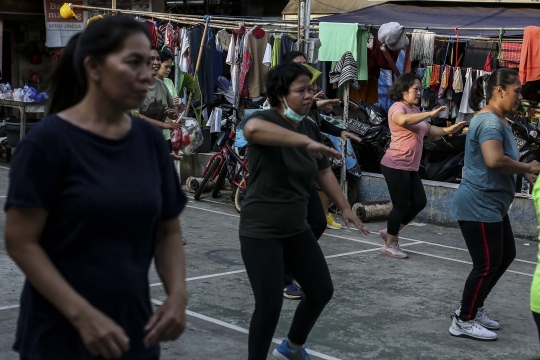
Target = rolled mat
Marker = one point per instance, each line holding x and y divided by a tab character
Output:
373	210
193	183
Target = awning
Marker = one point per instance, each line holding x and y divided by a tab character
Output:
330	6
446	16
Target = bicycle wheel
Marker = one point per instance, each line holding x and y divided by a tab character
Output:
211	170
240	193
220	181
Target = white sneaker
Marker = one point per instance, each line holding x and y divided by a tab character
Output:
471	329
483	319
393	250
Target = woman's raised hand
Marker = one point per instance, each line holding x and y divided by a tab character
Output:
454	128
434	113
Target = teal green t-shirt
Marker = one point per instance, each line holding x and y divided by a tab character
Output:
485	195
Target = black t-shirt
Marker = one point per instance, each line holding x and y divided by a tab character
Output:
105	199
279	183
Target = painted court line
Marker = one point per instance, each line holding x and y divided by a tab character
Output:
8	307
370	243
241	329
3	167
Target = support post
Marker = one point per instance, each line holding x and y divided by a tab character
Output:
345	120
203	42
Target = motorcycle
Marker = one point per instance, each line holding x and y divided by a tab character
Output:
370	123
353	169
527	138
443	159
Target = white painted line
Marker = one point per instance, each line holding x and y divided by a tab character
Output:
242	330
206	200
206	276
213	211
8	307
3	167
463	261
365	251
460	249
371	243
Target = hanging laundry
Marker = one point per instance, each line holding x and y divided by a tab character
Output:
427	77
464	108
205	75
510	55
223	40
345	70
214	120
275	52
444	81
488	66
267	59
337	38
458	81
152	31
256	46
313	45
287	44
476	53
529	66
435	78
422	46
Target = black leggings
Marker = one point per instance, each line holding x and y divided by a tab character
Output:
536	317
265	260
407	194
492	248
316	219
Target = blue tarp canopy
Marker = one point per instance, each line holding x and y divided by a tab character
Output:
445	16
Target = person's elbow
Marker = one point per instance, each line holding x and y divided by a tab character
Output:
494	163
250	130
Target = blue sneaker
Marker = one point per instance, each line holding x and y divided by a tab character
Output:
285	352
292	292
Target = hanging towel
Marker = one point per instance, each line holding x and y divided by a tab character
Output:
510	55
427	77
214	121
458	80
337	38
423	46
464	106
345	70
529	65
444	81
488	65
435	78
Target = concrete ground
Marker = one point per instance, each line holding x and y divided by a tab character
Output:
382	308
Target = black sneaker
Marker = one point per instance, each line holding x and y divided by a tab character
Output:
292	292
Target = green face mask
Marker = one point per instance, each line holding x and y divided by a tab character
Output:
291	114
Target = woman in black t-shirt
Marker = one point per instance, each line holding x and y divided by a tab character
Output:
285	157
93	197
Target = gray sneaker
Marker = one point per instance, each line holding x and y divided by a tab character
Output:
483	319
471	329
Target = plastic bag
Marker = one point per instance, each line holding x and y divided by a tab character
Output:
188	138
18	94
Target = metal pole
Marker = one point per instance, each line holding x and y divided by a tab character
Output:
307	22
113	4
345	121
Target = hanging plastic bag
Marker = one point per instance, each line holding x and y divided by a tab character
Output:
187	138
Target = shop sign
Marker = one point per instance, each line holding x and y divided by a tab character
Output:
60	30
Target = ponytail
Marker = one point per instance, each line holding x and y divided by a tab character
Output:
65	84
477	93
484	85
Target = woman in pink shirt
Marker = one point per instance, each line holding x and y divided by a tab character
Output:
400	164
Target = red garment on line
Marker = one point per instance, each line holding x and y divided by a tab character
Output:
529	66
510	55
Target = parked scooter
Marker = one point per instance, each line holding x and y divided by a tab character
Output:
527	138
370	123
443	159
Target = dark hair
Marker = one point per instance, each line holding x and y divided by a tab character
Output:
165	55
280	78
500	77
68	83
401	85
290	56
153	47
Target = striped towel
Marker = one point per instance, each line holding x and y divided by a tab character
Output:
345	70
510	55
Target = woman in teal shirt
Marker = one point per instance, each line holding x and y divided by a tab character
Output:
483	199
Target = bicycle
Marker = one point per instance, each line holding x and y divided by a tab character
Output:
226	164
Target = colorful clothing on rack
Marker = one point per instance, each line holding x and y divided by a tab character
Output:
510	55
427	77
458	81
152	32
529	66
435	78
444	81
464	107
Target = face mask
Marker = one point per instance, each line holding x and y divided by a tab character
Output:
291	114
